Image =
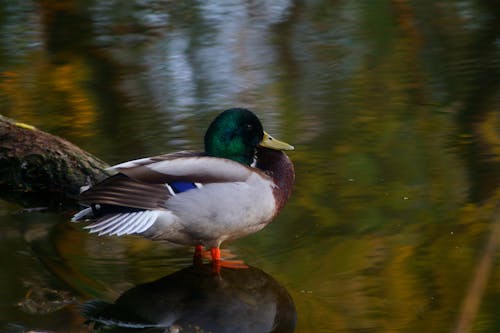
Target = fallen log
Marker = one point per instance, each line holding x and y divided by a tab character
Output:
38	168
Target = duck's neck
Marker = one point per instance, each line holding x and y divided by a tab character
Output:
277	165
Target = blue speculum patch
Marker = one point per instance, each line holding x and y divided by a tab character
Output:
180	187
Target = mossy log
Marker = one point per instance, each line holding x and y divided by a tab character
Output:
41	168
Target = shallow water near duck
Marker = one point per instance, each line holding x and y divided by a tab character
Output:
392	107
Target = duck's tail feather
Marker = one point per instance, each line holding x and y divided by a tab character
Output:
84	214
120	224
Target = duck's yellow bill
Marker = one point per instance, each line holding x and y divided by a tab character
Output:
270	142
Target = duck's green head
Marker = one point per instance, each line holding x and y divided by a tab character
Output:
235	134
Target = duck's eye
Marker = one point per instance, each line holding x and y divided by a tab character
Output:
249	127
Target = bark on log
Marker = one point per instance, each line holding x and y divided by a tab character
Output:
37	167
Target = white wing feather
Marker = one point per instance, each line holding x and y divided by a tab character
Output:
124	223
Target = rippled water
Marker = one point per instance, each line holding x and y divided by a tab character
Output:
392	107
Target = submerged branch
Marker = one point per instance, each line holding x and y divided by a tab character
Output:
39	167
482	274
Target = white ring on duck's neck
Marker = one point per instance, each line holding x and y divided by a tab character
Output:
254	162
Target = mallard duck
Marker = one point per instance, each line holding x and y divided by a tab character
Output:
234	188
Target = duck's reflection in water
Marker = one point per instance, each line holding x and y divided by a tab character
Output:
195	299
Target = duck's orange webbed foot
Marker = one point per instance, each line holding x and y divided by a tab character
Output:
198	250
216	255
217	261
198	255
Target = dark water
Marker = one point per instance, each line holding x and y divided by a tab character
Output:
392	107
